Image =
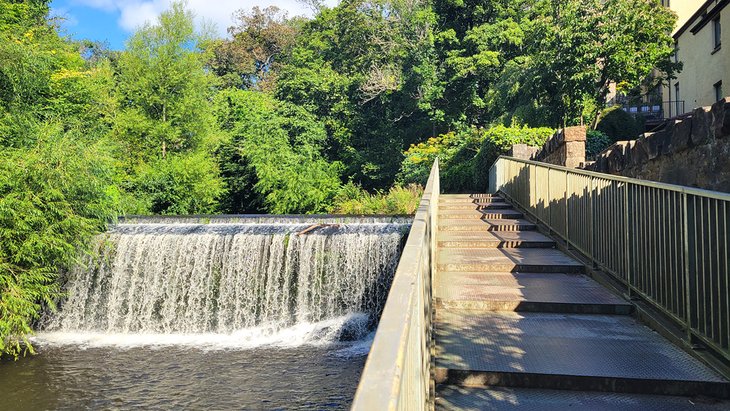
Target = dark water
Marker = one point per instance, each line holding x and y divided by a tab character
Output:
72	378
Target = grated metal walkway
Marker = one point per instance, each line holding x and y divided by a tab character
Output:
518	326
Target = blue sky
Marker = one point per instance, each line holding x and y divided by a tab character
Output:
115	20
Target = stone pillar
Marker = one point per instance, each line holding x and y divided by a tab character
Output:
567	147
523	151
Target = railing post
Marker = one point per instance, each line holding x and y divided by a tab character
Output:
591	211
627	239
567	229
687	292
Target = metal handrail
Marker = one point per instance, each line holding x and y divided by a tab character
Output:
397	374
668	244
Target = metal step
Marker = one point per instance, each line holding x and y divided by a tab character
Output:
474	206
525	292
452	398
480	214
493	239
534	260
485	225
467	198
565	351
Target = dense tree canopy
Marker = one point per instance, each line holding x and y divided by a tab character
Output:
341	112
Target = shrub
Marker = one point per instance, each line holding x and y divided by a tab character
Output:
398	200
455	151
618	124
497	141
596	141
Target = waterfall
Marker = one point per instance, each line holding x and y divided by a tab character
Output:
184	277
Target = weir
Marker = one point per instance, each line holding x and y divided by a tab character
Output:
325	277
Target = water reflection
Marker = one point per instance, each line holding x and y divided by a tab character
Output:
176	377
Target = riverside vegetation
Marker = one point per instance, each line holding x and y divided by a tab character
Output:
342	112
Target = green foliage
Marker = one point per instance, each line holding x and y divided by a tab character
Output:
53	197
549	62
596	142
618	124
352	199
364	68
41	74
275	150
164	88
165	127
465	157
497	141
176	184
455	151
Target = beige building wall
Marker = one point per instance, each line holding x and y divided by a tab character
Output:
684	9
704	66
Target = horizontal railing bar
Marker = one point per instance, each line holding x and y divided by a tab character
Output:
718	195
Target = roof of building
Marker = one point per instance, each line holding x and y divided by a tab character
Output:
704	14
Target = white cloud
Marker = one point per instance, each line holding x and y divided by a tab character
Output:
134	13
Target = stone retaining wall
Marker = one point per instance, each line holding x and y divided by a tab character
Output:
693	151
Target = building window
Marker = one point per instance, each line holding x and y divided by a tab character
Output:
718	91
676	52
717	32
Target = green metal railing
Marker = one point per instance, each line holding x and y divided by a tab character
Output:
667	244
397	374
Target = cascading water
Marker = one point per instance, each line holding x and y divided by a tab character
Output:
231	283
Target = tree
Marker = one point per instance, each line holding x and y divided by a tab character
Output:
165	127
165	90
365	68
53	197
42	76
273	161
581	47
547	62
252	57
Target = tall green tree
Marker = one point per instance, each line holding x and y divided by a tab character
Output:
366	69
42	76
546	62
165	127
582	47
274	159
253	56
164	88
54	195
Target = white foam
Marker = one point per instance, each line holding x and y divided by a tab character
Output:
320	333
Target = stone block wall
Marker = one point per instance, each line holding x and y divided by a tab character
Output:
692	151
523	151
567	147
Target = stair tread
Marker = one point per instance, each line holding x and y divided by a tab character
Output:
492	239
507	257
553	288
452	398
480	214
561	344
468	195
492	205
456	224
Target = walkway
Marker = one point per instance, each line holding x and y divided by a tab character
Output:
519	326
